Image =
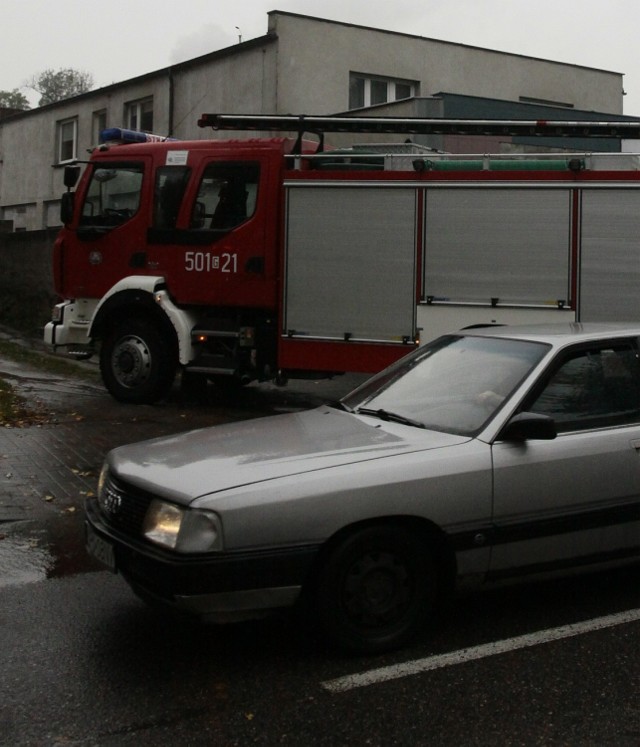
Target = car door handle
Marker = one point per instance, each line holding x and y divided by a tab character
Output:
635	444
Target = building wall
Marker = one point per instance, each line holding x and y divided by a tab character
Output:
306	44
26	281
241	81
31	176
302	65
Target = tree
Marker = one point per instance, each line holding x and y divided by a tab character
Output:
13	100
56	85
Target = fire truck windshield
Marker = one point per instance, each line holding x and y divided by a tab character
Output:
113	195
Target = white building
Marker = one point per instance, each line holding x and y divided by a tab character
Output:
301	65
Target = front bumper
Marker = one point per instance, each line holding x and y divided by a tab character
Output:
222	587
71	323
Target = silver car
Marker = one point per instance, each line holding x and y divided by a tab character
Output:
483	456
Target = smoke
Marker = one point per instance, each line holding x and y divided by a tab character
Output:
208	38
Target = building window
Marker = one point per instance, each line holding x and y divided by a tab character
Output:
99	123
67	140
138	115
545	102
368	90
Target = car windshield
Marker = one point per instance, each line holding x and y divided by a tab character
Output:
455	384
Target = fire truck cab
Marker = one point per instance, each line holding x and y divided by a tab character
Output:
169	257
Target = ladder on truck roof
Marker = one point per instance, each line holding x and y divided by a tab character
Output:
627	129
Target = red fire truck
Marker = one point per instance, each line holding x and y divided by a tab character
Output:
257	259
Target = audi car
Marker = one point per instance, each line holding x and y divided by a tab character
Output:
485	456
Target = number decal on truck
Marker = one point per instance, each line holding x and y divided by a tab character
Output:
207	262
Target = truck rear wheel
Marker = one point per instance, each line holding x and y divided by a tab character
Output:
137	364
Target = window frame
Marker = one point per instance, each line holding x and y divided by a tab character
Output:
370	81
98	124
165	219
61	125
135	108
90	221
224	170
591	422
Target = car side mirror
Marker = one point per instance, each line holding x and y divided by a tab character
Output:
529	426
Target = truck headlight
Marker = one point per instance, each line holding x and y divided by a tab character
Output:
184	530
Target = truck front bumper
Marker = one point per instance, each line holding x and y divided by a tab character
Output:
70	325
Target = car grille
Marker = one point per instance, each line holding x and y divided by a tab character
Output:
123	507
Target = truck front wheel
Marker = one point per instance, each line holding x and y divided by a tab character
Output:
137	364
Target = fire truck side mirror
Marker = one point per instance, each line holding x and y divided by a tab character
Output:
66	207
71	176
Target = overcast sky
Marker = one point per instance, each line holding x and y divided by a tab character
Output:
119	39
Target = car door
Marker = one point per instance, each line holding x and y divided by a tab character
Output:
574	499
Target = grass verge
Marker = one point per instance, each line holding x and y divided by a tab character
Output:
14	411
44	361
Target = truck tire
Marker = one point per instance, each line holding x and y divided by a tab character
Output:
138	365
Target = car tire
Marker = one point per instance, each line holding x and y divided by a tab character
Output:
138	365
376	589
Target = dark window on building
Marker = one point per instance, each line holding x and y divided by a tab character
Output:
139	115
67	140
368	90
99	123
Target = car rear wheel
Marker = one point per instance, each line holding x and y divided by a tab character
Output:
376	589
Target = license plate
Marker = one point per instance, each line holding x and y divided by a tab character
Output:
100	549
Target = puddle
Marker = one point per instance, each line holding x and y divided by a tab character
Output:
23	561
55	551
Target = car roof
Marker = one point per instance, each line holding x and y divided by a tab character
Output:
560	333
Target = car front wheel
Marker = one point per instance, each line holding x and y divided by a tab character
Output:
137	364
376	588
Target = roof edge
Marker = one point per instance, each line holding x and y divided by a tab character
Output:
259	41
439	41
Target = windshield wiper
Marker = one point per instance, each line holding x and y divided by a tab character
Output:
392	417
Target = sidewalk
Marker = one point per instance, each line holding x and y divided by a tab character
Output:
48	468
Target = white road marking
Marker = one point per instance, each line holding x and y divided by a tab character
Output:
417	666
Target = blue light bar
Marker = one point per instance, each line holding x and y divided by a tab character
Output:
120	135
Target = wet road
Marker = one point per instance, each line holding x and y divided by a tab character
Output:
48	467
83	662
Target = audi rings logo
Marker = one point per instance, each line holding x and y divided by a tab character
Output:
110	502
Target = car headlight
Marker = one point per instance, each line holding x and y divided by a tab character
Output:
184	530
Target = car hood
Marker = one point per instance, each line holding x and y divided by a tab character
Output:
189	465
